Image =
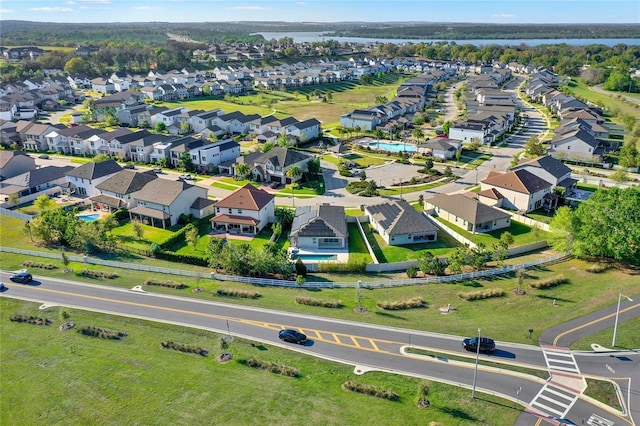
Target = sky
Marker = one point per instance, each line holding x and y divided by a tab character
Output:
500	11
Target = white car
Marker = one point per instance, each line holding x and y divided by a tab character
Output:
186	176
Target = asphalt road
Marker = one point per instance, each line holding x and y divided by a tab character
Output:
367	347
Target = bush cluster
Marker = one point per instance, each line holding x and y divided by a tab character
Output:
167	283
98	274
173	238
121	214
30	319
183	347
549	282
597	268
350	266
396	305
483	294
283	370
39	265
181	258
103	333
372	390
310	301
234	292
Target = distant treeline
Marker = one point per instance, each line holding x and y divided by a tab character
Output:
21	33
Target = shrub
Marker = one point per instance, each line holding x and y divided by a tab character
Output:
415	302
234	292
310	301
167	283
103	333
98	274
483	294
549	282
412	271
272	367
351	266
181	258
301	268
372	390
173	238
183	347
121	214
39	265
597	268
30	319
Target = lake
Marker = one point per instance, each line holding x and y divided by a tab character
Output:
309	37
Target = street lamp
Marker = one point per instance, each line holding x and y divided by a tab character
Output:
615	326
475	373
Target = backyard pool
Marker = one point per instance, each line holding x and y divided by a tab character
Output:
316	257
395	147
89	217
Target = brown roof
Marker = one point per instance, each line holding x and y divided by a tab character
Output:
521	181
242	220
247	197
163	191
492	193
467	208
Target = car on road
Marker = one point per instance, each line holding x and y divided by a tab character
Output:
486	344
292	336
128	166
44	157
21	277
2	287
185	177
158	170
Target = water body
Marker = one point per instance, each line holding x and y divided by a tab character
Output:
310	37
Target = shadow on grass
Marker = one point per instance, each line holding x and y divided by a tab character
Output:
459	414
557	299
474	284
500	404
388	315
260	347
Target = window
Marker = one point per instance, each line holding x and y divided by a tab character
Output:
217	209
230	211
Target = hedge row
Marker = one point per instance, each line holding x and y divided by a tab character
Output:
103	333
98	274
39	265
350	266
283	370
30	319
181	258
167	283
173	238
372	390
183	347
415	302
483	294
233	292
310	301
549	282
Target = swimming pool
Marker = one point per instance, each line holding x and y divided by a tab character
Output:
316	257
395	147
89	217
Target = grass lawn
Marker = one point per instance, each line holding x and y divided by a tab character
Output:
522	234
358	251
396	190
134	381
580	90
474	159
331	159
151	235
626	336
388	254
541	216
364	160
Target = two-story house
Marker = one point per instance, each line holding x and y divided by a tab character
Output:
120	189
86	177
247	210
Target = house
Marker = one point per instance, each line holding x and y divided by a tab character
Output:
550	169
208	156
161	201
34	136
14	163
319	227
398	223
202	120
86	177
305	131
140	149
520	190
468	131
247	210
442	148
577	145
119	190
272	166
34	182
467	213
202	207
365	120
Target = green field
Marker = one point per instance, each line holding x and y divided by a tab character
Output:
522	234
580	90
53	377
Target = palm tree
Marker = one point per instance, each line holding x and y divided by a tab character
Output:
242	170
294	172
417	133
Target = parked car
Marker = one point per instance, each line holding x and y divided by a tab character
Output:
158	170
21	277
185	176
128	166
44	157
486	344
275	185
292	336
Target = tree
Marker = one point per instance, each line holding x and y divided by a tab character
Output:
429	264
185	127
137	229
380	99
629	154
293	172
313	166
99	158
533	147
77	66
43	202
446	127
160	127
417	133
562	230
191	235
285	215
620	175
363	176
184	162
506	238
13	198
243	170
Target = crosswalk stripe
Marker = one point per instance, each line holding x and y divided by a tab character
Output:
561	361
560	394
565	369
549	409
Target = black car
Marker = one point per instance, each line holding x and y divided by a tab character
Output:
2	287
292	336
21	277
486	344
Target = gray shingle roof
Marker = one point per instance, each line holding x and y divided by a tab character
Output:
323	220
93	170
39	176
467	208
282	157
127	181
399	217
162	191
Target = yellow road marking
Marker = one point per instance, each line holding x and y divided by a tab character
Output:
559	336
355	342
373	343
